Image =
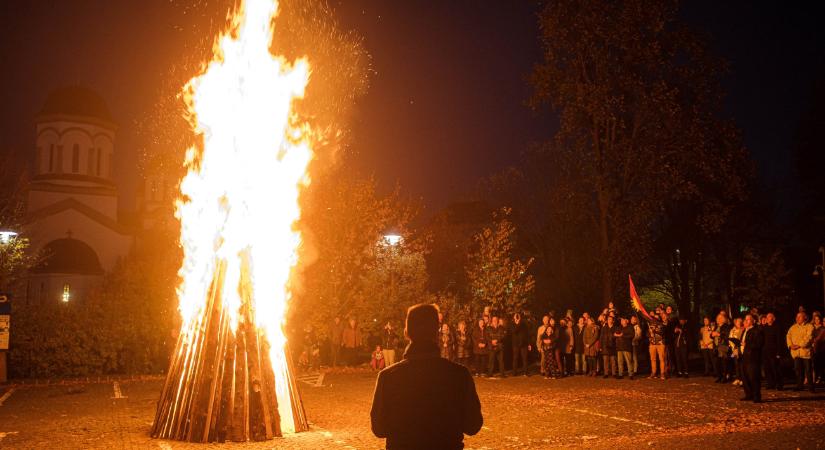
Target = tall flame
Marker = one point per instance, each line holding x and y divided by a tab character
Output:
240	197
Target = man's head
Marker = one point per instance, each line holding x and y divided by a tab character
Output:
669	309
481	323
462	325
610	321
706	321
440	317
634	320
422	323
545	320
721	319
494	321
749	320
801	317
581	321
624	321
770	318
737	322
663	316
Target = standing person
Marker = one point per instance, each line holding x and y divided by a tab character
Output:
591	346
607	341
545	321
670	340
561	345
680	345
424	401
463	345
706	346
656	335
389	343
818	347
351	341
751	359
578	347
799	342
568	350
624	347
720	341
480	348
547	343
495	334
445	342
336	331
735	339
520	342
770	352
637	342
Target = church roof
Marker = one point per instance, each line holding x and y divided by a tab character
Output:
68	255
76	101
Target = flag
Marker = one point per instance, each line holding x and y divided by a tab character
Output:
636	302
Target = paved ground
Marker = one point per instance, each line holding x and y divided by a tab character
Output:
518	413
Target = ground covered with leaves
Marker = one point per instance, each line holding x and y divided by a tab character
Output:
518	413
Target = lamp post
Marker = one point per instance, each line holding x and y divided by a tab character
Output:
819	269
6	236
391	241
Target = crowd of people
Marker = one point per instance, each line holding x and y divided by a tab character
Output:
737	350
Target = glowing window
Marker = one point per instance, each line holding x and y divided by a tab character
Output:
67	293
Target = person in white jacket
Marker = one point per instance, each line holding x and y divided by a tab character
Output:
799	342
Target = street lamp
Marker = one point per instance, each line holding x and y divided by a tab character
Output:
392	239
819	270
6	236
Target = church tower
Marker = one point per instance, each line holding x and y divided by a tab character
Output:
73	201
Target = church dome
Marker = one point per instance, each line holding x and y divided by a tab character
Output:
68	255
76	101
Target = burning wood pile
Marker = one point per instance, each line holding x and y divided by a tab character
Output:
230	377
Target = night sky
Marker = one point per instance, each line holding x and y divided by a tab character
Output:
446	101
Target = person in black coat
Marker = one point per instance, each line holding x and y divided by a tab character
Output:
774	341
425	401
751	347
520	342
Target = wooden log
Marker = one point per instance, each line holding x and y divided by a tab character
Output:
220	384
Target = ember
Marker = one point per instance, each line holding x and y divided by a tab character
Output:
230	377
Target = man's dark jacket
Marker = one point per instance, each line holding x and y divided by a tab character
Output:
425	402
774	340
754	343
520	337
625	342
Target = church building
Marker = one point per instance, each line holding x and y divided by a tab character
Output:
72	211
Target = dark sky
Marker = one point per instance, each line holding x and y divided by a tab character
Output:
445	106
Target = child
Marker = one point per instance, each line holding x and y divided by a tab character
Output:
377	362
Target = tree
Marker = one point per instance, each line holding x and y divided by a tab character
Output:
495	277
15	257
638	99
344	220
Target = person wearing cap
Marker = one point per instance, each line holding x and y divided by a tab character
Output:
425	401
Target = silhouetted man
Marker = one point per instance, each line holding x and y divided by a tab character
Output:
751	350
425	401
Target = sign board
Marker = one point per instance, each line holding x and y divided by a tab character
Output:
5	324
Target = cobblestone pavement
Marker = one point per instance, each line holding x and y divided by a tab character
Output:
518	413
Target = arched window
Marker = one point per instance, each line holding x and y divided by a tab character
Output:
76	159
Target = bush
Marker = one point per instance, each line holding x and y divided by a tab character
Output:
127	326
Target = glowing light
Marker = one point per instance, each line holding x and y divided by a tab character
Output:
240	197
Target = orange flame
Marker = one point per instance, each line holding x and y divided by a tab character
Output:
240	197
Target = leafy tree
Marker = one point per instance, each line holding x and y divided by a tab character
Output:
638	99
344	219
15	258
495	277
